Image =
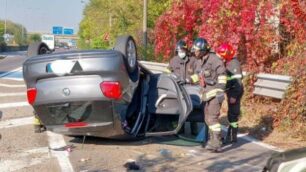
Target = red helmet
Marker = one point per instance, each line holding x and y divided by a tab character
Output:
226	51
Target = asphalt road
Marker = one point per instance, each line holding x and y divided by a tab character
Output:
11	61
22	150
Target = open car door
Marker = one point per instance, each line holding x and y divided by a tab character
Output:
168	105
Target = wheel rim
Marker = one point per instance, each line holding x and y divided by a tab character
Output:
131	53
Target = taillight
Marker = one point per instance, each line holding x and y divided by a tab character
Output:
76	124
111	89
31	94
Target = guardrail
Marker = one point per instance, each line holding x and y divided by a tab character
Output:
268	85
271	85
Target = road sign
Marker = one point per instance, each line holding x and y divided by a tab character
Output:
57	30
68	31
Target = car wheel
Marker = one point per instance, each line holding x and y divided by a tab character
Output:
126	45
37	48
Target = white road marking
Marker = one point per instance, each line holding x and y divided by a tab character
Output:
57	141
16	122
12	94
11	105
255	141
22	160
14	79
11	86
9	72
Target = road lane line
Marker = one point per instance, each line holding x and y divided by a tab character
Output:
23	160
16	122
9	72
16	104
12	94
11	86
57	141
255	141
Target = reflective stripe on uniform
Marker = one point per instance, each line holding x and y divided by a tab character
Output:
234	124
167	70
215	127
222	79
195	78
36	121
237	76
212	93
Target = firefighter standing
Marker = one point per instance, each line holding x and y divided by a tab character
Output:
234	89
183	67
211	75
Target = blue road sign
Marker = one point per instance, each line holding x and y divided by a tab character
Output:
57	30
68	31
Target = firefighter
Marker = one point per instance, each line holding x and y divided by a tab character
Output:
211	75
234	89
182	65
38	126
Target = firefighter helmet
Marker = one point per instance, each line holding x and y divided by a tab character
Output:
181	45
226	51
201	44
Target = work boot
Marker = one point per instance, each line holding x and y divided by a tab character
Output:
234	135
228	137
214	143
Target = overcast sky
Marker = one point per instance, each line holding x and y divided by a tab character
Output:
41	15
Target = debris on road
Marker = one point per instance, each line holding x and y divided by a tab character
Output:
131	165
85	159
67	148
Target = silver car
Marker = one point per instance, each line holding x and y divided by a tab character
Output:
106	93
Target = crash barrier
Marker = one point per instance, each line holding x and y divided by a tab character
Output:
271	85
4	48
268	85
154	66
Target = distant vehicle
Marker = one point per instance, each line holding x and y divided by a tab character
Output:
49	41
107	93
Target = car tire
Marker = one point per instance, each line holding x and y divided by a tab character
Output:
37	48
127	46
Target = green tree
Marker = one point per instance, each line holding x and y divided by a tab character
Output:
17	30
34	38
116	18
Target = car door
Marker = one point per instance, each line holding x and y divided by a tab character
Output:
167	97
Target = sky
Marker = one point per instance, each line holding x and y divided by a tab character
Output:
42	15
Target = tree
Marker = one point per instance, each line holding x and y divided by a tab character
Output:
102	16
17	30
251	26
34	38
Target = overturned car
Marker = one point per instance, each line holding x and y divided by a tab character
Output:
107	93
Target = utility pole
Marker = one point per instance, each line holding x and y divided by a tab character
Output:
5	17
145	12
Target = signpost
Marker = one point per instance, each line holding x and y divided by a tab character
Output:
57	30
68	31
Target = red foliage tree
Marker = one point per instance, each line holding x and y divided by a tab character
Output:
252	26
